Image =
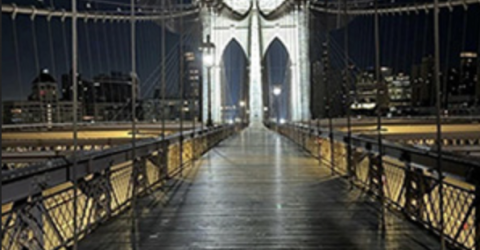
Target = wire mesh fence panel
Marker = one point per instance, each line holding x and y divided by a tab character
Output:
408	188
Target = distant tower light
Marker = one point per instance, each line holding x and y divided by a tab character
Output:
277	91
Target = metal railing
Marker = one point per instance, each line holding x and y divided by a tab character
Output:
406	182
37	201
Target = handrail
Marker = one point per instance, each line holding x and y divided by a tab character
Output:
461	168
21	183
405	181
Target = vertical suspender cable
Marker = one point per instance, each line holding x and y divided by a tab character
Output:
107	51
319	148
181	90
99	56
347	94
329	96
193	114
65	43
447	64
90	67
35	45
17	55
201	89
414	55
390	43
310	113
89	50
164	83
116	57
75	116
436	17
380	90
396	63
135	171
407	36
330	100
52	56
318	116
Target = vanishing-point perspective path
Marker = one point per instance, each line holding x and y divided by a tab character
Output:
258	190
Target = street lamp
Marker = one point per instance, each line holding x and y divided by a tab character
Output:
242	111
208	49
276	92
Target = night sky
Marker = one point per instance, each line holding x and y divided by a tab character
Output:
106	47
404	39
103	49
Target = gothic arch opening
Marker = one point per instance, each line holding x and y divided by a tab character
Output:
276	82
234	83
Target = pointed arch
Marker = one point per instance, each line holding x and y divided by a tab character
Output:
276	73
234	80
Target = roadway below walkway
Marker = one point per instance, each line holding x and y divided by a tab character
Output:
258	190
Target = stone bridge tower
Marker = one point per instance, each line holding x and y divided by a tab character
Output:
255	24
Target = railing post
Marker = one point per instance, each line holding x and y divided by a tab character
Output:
332	148
375	174
29	222
163	155
350	165
180	154
415	189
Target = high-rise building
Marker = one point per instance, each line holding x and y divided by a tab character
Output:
107	97
192	80
423	83
468	72
116	87
400	93
462	83
367	99
43	105
453	78
44	91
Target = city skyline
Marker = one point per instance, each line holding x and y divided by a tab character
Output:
102	52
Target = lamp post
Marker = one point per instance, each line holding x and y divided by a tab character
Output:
242	111
208	49
276	92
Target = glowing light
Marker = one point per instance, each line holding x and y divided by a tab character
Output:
208	60
277	91
242	103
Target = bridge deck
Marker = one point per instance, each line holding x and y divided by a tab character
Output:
259	191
